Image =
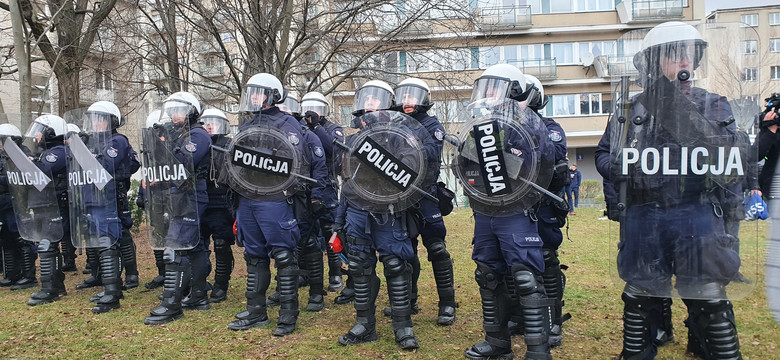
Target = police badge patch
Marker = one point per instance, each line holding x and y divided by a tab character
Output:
439	134
112	152
555	135
293	137
51	158
517	152
191	147
318	151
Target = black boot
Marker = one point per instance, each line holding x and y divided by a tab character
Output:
160	278
129	262
27	267
110	273
92	261
312	259
347	293
495	311
93	280
170	308
223	255
665	330
68	255
197	298
257	282
398	275
51	275
366	289
11	270
712	331
273	299
287	281
554	284
335	281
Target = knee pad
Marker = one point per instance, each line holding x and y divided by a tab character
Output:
45	246
526	281
359	264
311	245
485	277
221	245
394	265
283	257
437	250
550	257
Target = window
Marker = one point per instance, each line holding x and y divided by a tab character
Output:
750	74
563	105
230	107
104	80
589	104
563	53
775	72
594	5
774	18
345	115
774	45
489	56
749	47
449	110
750	20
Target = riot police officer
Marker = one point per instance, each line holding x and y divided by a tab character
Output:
151	124
265	221
316	109
18	255
48	133
510	147
184	145
413	97
552	216
387	232
219	217
671	222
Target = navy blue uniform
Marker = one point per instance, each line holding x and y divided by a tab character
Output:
18	255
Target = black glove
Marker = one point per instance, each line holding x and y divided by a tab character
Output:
312	119
139	201
317	208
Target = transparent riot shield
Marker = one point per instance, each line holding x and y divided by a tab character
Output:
772	275
384	164
680	165
169	184
502	157
264	162
34	195
92	198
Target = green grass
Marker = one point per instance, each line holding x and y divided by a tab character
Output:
68	329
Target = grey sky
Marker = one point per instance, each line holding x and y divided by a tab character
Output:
712	5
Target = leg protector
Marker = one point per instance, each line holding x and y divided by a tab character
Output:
176	272
223	255
93	258
347	294
287	280
334	271
160	278
536	312
665	329
110	273
397	273
197	298
639	328
445	283
365	287
495	311
11	271
69	255
129	262
51	275
27	268
554	280
712	332
257	282
312	259
515	324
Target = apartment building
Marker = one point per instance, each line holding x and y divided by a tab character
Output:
570	45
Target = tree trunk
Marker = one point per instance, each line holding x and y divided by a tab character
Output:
68	88
23	64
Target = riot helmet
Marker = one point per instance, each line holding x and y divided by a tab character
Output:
372	96
499	82
413	95
291	105
182	108
215	122
102	116
10	130
73	129
536	99
672	49
315	101
47	128
261	92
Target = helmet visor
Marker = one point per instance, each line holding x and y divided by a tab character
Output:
290	105
96	122
410	95
372	98
215	125
36	131
492	90
321	108
177	110
256	98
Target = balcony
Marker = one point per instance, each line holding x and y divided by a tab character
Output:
620	66
639	11
544	69
504	17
